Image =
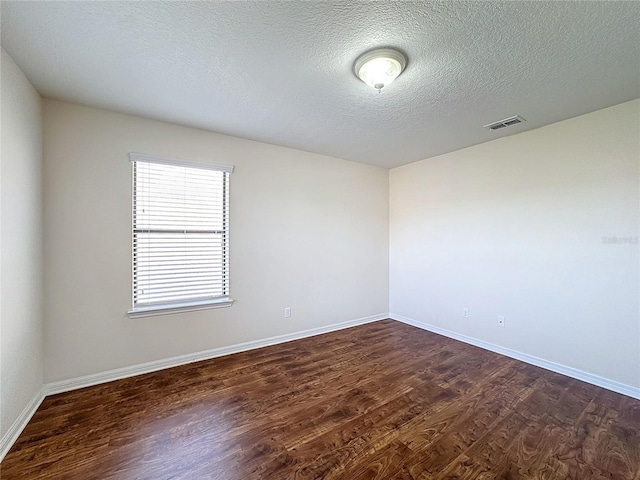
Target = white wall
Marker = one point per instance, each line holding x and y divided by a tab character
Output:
307	231
21	331
515	227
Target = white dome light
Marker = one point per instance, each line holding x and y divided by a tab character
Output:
378	68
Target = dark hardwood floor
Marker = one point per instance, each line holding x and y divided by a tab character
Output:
379	401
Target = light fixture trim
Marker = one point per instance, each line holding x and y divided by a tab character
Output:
366	64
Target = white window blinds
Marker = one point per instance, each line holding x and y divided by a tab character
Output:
180	233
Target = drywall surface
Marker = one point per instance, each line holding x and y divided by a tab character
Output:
307	232
281	72
541	227
21	330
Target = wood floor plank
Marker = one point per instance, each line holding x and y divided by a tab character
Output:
378	401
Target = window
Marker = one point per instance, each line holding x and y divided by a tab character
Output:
180	235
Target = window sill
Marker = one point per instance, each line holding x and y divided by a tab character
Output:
169	309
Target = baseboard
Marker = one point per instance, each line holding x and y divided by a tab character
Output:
612	385
120	373
7	440
10	437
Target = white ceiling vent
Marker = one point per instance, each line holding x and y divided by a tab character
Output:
507	122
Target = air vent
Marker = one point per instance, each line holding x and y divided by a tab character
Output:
507	122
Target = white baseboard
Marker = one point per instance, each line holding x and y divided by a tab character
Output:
612	385
125	372
7	440
10	437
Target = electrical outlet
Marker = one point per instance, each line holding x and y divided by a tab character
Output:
465	312
287	312
501	321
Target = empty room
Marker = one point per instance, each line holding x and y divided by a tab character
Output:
320	240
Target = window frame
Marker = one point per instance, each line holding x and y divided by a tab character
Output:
182	306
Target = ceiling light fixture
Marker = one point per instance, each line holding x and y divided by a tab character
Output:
378	68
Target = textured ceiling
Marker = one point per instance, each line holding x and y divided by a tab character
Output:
281	72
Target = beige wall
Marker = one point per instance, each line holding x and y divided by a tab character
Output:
307	231
512	227
21	348
515	227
